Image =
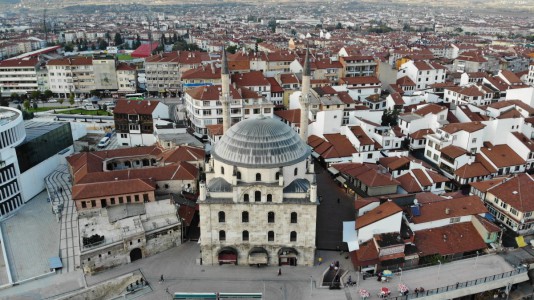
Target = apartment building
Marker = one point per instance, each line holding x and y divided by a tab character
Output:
361	65
422	73
18	76
71	75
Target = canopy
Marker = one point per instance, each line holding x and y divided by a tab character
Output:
387	273
385	290
333	170
55	262
364	293
349	235
341	179
403	288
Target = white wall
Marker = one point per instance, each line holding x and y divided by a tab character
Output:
328	121
436	223
526	95
32	180
386	225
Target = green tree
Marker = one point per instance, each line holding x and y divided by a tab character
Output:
48	94
389	117
107	36
26	104
61	100
458	29
339	26
118	39
272	25
4	102
69	47
71	101
231	49
102	45
14	96
35	95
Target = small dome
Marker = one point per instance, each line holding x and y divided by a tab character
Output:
219	185
261	143
298	186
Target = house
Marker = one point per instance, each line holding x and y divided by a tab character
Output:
361	87
135	121
509	201
368	178
358	65
422	73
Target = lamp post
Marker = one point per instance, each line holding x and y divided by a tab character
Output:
439	268
476	260
400	278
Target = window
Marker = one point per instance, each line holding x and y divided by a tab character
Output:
84	205
112	200
293	236
121	200
270	236
136	198
222	217
245	236
258	177
277	176
455	220
504	205
296	172
93	203
269	198
270	217
257	196
222	235
145	197
474	140
238	175
370	155
244	217
293	217
245	198
129	199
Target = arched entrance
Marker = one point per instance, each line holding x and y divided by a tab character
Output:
227	255
287	256
258	256
135	254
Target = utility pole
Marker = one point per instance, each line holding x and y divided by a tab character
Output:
44	27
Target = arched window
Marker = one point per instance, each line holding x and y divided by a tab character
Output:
270	217
270	236
258	176
257	196
245	236
244	217
222	170
222	235
293	217
277	176
222	217
238	175
296	172
293	236
269	198
245	198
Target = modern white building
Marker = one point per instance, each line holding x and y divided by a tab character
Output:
422	73
18	76
71	75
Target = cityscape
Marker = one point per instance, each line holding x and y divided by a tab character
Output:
231	149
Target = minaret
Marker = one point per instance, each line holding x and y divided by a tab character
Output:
304	98
226	99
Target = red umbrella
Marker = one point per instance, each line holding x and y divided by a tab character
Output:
385	290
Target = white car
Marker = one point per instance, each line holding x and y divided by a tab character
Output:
103	142
108	103
52	101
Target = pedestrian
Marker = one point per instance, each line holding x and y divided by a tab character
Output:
320	259
279	271
161	278
337	200
416	291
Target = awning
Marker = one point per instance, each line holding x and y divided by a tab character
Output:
333	170
341	179
230	257
258	258
55	263
289	254
315	154
349	235
520	241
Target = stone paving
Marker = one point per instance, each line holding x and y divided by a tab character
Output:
3	269
31	236
59	187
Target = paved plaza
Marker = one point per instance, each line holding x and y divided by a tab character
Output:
31	237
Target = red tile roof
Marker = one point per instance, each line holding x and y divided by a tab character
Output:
449	240
135	107
409	184
516	192
502	156
453	151
111	188
475	169
22	62
291	115
450	208
71	61
383	211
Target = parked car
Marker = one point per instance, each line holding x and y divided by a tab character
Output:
108	103
52	101
104	142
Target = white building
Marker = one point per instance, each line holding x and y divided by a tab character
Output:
18	76
71	75
422	73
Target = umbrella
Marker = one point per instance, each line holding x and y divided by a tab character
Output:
385	290
403	288
364	293
387	273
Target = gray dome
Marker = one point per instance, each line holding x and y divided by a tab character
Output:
298	186
261	143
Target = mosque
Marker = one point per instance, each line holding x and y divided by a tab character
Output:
258	203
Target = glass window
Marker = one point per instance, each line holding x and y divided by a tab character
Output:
293	236
270	236
245	236
222	235
270	217
222	217
244	217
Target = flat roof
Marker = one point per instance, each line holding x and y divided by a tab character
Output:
35	129
8	115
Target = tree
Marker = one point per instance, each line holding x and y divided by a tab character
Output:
108	37
102	45
231	49
4	102
118	39
458	29
68	47
389	117
35	95
14	96
48	94
26	104
71	100
272	25
339	26
61	100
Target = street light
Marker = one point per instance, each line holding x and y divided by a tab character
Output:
400	279
439	269
476	260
